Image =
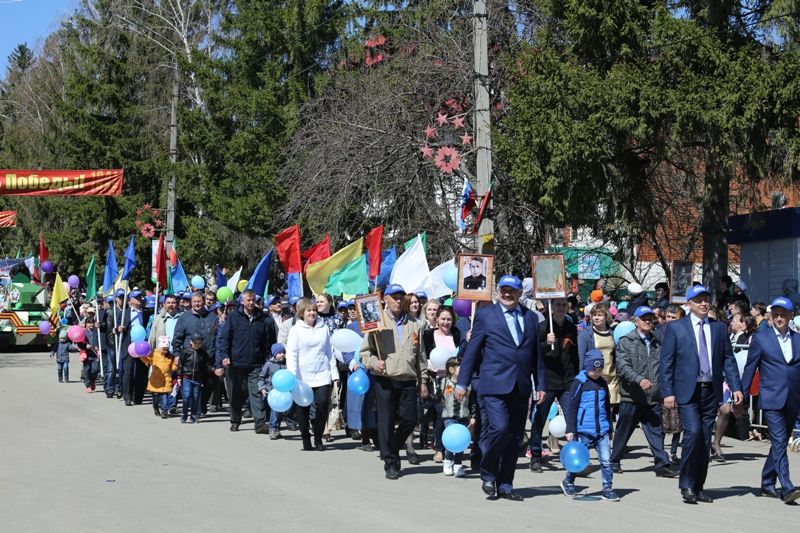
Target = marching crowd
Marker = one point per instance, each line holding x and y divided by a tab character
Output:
605	366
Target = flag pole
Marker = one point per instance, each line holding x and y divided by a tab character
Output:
155	312
97	328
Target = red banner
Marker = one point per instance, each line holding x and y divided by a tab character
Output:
61	182
8	219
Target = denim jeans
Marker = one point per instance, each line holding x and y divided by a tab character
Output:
448	455
165	400
191	397
603	446
63	369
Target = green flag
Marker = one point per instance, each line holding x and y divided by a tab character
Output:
91	281
169	289
351	279
410	242
17	254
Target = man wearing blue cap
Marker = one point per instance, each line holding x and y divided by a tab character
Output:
504	350
775	353
118	324
395	357
695	356
637	357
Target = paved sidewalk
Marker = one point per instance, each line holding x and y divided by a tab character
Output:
71	461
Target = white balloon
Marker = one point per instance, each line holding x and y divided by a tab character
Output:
302	394
558	426
346	340
439	357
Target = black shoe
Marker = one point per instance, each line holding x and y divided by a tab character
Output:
488	488
702	497
128	403
212	409
119	395
510	495
616	468
392	473
320	447
666	471
157	412
769	493
366	448
674	459
689	496
247	413
536	466
164	415
791	496
355	434
413	458
263	429
234	427
173	410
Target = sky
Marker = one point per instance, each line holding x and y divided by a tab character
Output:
29	21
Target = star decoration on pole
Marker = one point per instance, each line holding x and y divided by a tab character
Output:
427	151
466	139
430	132
458	122
442	119
447	159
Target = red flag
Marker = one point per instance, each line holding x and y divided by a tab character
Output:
373	243
161	263
318	252
484	203
287	243
44	254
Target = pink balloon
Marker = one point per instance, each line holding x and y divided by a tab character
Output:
462	308
66	286
76	334
132	350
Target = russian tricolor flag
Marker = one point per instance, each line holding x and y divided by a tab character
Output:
467	203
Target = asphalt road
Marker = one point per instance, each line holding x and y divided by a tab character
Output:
71	461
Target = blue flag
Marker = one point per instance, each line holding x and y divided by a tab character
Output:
259	281
221	279
130	259
179	280
294	285
110	273
388	259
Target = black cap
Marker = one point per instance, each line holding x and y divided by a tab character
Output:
196	337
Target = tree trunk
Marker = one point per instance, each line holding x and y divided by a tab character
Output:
714	225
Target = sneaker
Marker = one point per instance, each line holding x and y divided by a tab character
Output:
528	453
536	466
448	468
616	468
460	471
568	488
89	390
195	420
274	434
610	496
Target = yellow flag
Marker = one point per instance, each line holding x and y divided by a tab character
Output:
59	294
317	274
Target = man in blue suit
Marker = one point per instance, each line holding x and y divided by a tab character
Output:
695	356
504	351
775	353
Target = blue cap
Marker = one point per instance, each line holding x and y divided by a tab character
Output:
643	310
293	300
119	293
108	299
134	294
186	295
341	305
270	300
782	302
214	307
393	288
277	348
351	303
422	295
510	281
696	290
593	359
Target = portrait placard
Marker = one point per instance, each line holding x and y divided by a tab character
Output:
549	276
682	278
475	277
370	313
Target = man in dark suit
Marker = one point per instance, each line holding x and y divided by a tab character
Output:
504	351
775	353
695	356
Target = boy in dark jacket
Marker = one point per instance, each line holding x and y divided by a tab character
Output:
89	356
192	368
588	415
60	351
275	363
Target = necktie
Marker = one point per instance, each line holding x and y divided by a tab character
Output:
514	315
703	354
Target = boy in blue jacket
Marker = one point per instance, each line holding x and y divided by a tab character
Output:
588	415
275	363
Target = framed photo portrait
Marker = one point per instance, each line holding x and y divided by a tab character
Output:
549	276
370	312
682	278
475	277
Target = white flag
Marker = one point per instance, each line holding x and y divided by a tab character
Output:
233	281
411	270
437	279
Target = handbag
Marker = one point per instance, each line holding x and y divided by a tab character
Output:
739	427
671	420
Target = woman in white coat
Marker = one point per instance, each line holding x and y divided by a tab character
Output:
310	358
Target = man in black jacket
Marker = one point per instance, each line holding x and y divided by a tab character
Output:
245	339
560	349
197	321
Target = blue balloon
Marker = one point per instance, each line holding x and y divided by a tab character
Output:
622	329
138	333
64	322
451	278
456	438
553	411
278	401
198	282
575	456
358	382
283	380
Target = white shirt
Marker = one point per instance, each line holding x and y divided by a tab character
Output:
309	356
785	341
707	332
